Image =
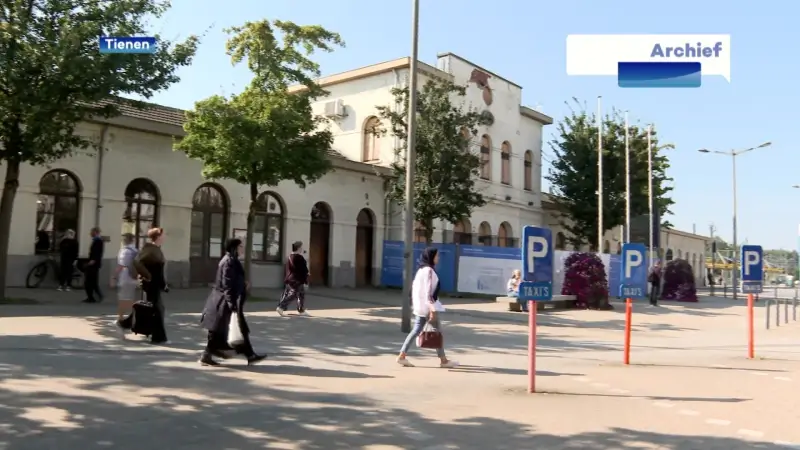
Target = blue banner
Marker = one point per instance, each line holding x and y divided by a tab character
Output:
393	264
486	270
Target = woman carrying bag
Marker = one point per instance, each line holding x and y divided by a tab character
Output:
223	315
426	307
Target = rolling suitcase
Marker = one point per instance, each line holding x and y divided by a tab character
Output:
144	317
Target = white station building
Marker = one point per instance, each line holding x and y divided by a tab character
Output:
139	181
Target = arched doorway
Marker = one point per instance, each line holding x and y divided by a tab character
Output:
462	232
141	209
320	244
207	236
57	209
365	239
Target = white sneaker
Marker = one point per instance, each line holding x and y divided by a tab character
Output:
120	330
280	311
303	313
449	365
67	289
61	289
404	362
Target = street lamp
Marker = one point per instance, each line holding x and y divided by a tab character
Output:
733	154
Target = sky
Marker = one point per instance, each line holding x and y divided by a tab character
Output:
525	41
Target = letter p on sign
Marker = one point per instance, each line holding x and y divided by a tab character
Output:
751	258
537	248
633	259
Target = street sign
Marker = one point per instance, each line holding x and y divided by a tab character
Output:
537	264
752	269
634	271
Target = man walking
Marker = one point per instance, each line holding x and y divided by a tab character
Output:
296	279
655	283
91	270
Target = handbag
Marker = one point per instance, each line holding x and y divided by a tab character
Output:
235	335
430	337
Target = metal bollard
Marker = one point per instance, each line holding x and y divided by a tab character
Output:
777	312
766	305
794	308
776	291
725	291
786	310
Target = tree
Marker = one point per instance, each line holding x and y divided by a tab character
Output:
266	134
446	169
573	175
52	77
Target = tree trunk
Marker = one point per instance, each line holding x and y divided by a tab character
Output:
251	220
428	228
6	209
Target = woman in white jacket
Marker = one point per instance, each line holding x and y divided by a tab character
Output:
425	305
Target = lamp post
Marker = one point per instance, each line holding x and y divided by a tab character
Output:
411	156
733	154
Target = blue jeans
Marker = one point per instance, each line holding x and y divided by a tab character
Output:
419	325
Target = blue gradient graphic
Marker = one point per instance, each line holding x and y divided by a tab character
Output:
659	74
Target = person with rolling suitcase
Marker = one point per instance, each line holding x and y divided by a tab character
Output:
149	264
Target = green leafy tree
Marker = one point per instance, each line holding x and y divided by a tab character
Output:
573	175
52	77
266	134
446	169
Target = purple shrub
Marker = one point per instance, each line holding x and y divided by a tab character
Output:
679	282
585	277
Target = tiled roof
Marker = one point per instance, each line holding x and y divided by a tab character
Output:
152	112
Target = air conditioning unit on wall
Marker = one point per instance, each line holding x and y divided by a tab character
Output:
335	109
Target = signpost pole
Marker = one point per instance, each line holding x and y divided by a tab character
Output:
531	347
751	346
628	319
537	284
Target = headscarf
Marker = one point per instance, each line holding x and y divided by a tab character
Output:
426	260
427	257
232	247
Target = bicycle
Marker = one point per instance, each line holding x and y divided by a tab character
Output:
39	272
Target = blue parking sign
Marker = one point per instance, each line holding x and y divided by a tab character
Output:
537	264
634	271
752	269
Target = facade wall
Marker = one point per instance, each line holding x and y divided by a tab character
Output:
510	203
133	154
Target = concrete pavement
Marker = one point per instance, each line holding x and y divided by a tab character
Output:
67	382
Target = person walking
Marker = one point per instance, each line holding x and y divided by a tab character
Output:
68	253
655	283
125	280
91	269
295	280
227	298
149	265
425	306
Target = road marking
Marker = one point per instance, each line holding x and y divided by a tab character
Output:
600	385
783	378
751	433
689	412
720	422
663	404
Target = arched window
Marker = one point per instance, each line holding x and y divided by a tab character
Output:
486	157
141	209
485	234
668	256
680	254
505	163
371	150
462	232
561	241
505	237
209	216
268	228
606	247
528	170
57	209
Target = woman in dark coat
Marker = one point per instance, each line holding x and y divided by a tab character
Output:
226	298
